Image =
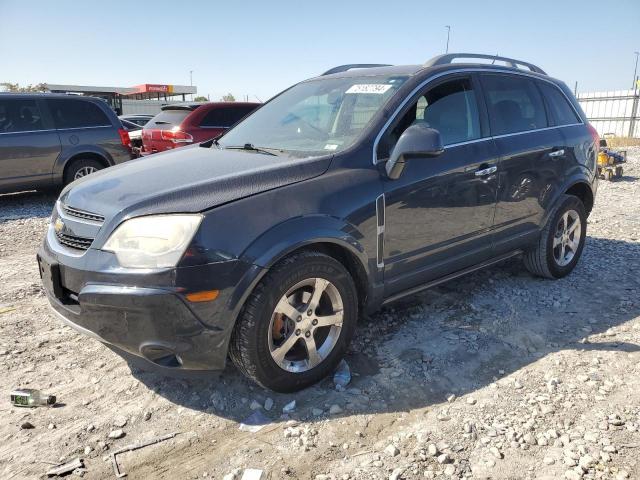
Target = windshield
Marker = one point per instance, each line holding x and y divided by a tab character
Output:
316	117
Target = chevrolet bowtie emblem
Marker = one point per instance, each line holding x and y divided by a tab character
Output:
58	225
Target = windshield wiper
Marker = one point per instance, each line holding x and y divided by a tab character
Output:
252	148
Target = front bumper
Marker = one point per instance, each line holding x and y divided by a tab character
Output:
147	314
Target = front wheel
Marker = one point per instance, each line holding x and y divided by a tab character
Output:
81	168
561	241
297	323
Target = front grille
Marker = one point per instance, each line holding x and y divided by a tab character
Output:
71	241
74	212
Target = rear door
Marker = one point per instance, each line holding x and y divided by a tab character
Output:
29	145
530	154
439	213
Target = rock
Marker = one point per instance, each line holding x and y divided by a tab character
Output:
233	475
114	434
548	460
87	450
496	453
450	470
451	398
268	404
289	407
335	409
432	449
27	426
120	422
529	439
146	416
471	401
586	462
573	474
444	458
392	450
396	474
622	475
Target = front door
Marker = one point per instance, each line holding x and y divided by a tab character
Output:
439	213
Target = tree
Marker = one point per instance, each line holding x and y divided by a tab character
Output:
15	87
228	98
201	98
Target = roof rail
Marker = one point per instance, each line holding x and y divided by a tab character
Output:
448	58
344	68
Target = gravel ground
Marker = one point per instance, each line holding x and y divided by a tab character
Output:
497	375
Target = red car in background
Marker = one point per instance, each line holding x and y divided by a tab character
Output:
187	123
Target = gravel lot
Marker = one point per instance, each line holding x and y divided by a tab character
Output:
497	375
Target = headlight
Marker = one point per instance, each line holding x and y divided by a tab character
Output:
155	241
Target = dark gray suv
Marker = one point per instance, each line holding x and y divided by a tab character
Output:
343	193
47	140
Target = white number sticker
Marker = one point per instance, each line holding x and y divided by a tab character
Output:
378	88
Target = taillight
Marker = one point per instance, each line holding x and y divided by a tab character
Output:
124	137
594	135
176	136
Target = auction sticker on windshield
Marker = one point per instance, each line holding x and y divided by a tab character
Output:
378	88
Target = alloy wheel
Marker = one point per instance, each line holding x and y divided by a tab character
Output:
305	325
84	171
567	237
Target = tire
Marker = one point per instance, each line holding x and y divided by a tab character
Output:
80	168
609	175
619	172
545	259
262	333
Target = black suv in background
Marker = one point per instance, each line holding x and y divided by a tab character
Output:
343	193
47	140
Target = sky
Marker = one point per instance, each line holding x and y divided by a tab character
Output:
258	48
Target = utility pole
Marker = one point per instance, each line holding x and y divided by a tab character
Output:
191	82
448	27
635	72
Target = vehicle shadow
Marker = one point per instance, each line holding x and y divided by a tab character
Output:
455	338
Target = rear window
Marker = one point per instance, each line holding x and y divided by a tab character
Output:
559	108
514	104
19	116
168	119
68	113
225	116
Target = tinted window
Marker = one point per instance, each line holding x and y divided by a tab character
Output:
69	113
225	117
451	108
558	105
514	103
19	116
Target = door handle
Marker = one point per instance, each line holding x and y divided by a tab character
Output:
556	153
486	171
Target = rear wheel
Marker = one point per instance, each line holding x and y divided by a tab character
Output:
619	172
609	174
561	242
297	324
81	168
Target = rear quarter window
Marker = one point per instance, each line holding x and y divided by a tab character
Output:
514	103
225	117
69	113
558	106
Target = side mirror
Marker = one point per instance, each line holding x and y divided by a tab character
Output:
417	141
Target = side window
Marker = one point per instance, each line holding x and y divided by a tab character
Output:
70	113
450	107
514	104
558	105
19	116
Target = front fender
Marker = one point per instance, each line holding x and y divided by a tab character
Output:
291	235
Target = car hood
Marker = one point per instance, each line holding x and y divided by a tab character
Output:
189	179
